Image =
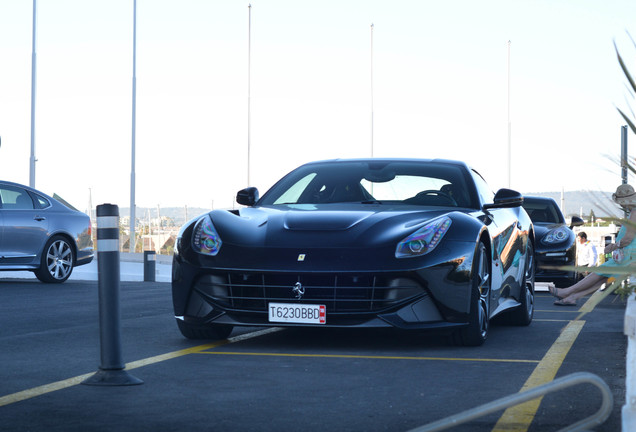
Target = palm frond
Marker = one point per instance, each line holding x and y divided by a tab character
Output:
624	68
632	39
629	105
628	120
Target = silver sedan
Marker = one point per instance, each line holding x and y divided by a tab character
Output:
41	234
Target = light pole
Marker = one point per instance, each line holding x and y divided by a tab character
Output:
134	112
624	154
32	158
371	89
249	82
509	125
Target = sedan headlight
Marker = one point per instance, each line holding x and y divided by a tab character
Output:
557	235
423	240
205	239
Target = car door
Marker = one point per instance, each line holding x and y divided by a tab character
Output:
508	247
24	228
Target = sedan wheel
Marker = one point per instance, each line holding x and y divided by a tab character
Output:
57	261
476	332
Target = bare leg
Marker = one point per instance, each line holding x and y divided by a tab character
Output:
572	298
586	284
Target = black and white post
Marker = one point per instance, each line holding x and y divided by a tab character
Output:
111	370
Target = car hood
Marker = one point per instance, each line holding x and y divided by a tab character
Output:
317	226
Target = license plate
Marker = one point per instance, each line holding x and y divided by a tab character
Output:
297	313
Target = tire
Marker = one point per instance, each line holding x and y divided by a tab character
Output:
210	331
522	315
56	264
476	333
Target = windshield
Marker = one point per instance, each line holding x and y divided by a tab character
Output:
396	182
543	210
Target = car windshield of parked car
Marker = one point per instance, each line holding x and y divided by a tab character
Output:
394	182
543	211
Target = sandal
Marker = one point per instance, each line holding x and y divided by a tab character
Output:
554	291
564	303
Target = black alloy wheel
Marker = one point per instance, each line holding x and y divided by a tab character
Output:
476	333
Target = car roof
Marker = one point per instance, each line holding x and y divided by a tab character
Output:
36	191
388	160
20	185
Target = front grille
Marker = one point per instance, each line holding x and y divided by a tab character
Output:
338	292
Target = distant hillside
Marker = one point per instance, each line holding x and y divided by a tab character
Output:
583	202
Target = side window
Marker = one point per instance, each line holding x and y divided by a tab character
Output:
485	194
13	198
42	202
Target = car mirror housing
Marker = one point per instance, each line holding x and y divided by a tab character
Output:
505	198
576	221
247	196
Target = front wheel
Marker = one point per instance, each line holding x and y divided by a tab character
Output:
209	331
476	333
57	261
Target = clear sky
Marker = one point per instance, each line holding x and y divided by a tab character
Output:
440	89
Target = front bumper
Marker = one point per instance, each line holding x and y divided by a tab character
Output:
436	296
556	266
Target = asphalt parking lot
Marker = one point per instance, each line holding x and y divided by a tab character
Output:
289	379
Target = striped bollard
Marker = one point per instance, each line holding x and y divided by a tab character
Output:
111	370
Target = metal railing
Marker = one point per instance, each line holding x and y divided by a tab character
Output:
558	384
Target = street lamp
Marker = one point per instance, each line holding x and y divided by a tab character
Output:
134	113
32	159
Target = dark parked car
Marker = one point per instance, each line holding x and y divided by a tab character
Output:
412	244
556	242
40	234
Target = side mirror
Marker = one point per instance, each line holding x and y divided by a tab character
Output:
506	198
576	221
247	196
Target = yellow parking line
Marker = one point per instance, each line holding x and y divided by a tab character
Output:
196	349
514	419
60	385
38	391
366	357
569	310
518	418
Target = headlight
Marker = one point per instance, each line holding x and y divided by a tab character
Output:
557	235
423	240
205	239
